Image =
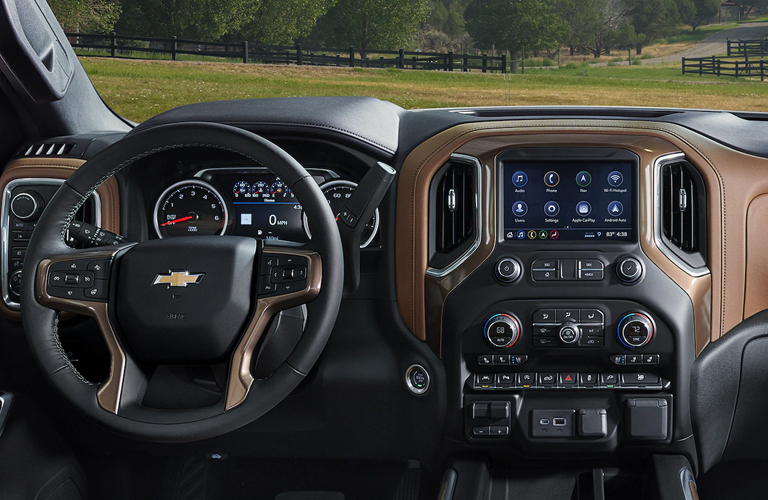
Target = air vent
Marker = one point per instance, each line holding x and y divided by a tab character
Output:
47	149
453	212
683	212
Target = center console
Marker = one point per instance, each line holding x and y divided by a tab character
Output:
568	339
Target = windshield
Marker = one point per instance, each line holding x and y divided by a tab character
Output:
147	56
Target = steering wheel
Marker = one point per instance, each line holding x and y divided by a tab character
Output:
195	300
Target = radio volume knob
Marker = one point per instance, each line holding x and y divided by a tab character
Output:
635	330
508	270
502	330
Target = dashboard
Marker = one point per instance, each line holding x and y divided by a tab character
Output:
532	285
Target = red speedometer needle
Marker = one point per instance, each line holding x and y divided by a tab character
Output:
176	220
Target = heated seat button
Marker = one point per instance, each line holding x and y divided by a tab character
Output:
485	359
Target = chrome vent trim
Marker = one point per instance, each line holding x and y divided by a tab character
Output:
658	220
47	149
444	271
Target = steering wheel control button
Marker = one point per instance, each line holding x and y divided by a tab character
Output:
80	279
100	269
629	270
267	263
417	379
508	270
635	330
519	179
583	178
27	205
282	275
502	331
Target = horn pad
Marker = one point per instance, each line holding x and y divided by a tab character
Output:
185	300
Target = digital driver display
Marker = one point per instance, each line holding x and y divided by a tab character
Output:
568	201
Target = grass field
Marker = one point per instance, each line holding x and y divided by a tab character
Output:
141	89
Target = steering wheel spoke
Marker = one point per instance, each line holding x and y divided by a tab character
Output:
288	277
78	282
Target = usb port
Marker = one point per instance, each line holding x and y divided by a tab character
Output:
559	422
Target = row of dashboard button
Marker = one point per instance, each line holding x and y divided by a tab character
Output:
635	359
550	316
566	380
501	359
568	270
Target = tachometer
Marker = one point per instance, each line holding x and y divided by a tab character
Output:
337	193
190	208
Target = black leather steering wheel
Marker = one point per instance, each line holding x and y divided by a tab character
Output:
153	301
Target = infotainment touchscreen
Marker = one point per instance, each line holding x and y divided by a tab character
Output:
567	201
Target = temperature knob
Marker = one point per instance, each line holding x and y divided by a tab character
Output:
27	205
635	330
502	330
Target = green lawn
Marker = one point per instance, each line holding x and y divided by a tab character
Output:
702	32
141	89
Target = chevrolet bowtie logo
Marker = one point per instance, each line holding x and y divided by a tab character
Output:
178	278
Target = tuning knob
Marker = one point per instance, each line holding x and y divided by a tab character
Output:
569	333
27	205
502	330
629	270
635	330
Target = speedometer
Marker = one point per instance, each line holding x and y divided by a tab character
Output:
190	208
337	193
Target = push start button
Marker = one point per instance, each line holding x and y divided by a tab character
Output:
417	379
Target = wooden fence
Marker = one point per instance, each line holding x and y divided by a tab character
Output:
723	67
746	48
136	47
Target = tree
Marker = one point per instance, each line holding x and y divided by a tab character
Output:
283	21
653	18
696	12
194	19
86	15
592	24
372	24
514	24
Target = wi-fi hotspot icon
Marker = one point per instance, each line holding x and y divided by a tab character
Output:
615	178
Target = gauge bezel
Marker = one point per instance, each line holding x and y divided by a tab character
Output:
335	183
194	182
